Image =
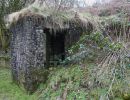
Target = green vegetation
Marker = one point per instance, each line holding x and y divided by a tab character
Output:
10	91
66	83
62	83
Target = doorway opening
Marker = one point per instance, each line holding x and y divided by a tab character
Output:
55	46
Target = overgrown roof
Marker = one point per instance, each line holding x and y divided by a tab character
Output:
53	18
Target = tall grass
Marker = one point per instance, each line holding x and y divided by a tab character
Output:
113	70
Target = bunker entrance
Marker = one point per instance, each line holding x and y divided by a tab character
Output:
55	47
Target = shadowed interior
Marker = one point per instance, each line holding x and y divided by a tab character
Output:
55	46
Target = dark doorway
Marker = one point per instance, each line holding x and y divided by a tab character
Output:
55	46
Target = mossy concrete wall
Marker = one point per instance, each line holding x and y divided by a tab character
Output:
28	51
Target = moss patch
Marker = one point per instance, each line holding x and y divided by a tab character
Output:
10	91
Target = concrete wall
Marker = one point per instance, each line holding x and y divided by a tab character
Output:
28	51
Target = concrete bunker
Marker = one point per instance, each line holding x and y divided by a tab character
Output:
38	42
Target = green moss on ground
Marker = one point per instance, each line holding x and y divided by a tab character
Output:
10	91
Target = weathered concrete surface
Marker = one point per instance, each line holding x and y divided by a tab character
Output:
28	51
